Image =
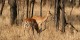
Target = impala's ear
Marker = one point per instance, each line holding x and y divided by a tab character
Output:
50	13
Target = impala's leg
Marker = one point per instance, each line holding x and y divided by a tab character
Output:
23	24
33	29
41	28
36	28
32	25
44	25
41	25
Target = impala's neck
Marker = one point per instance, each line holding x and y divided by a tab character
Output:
45	18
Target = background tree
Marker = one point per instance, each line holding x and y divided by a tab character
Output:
44	2
63	16
20	11
13	10
2	2
57	8
28	3
33	2
18	22
51	3
79	2
41	8
27	8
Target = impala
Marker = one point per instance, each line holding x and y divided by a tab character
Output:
34	22
40	19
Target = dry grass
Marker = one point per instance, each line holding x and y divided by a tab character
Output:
8	32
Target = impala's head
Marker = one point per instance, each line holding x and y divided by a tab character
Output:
49	15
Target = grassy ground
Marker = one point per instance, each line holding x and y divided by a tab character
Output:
8	32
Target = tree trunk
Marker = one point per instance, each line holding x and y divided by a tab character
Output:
17	12
63	16
33	1
57	13
41	8
13	10
27	8
2	6
51	2
44	2
79	2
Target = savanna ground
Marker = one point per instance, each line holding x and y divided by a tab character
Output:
8	32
